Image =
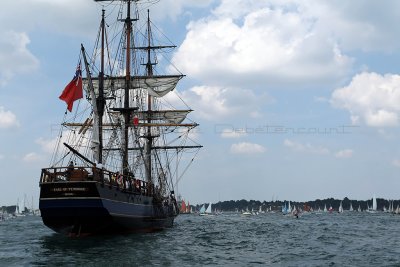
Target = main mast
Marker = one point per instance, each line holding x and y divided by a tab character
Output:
128	30
149	70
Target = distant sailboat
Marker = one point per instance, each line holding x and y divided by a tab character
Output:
19	209
325	210
340	210
204	211
270	210
359	208
351	207
208	210
183	207
330	209
374	204
260	210
284	209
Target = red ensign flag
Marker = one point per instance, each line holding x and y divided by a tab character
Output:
73	91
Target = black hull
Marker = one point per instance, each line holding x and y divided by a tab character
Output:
89	208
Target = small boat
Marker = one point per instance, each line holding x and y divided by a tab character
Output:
260	210
351	207
340	210
374	204
206	212
185	208
289	210
202	210
284	209
296	212
247	212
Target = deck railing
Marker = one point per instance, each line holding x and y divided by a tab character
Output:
112	179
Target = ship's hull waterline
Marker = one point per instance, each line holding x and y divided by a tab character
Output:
91	208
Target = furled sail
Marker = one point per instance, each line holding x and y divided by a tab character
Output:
157	86
171	116
167	116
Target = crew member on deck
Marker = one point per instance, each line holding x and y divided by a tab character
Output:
119	180
70	169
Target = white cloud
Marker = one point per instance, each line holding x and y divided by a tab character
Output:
259	43
47	145
32	157
72	17
371	98
77	17
1	157
15	56
233	133
346	153
7	119
247	148
396	162
374	23
215	103
173	8
308	148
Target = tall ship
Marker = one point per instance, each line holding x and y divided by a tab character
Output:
123	145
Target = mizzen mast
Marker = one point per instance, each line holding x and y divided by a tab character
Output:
100	101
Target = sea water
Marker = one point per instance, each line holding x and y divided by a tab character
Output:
346	239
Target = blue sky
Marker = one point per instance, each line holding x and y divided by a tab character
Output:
296	99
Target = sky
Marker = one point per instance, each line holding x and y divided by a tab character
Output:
296	99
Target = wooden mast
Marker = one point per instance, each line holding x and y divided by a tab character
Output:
128	29
149	138
100	98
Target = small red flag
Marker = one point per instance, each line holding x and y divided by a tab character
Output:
135	121
73	91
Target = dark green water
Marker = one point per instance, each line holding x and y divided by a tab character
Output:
348	239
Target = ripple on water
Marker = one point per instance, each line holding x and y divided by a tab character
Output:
348	239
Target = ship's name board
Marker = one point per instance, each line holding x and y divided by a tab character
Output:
70	189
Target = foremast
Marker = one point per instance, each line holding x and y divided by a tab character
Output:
98	102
